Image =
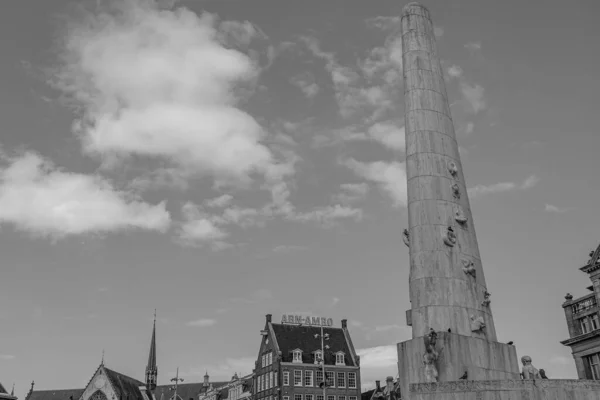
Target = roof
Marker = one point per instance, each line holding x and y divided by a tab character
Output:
64	394
185	390
126	388
291	337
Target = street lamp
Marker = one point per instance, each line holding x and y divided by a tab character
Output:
321	360
177	379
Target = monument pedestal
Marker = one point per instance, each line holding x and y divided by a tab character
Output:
510	389
481	359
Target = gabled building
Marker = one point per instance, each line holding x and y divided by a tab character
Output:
4	394
391	391
292	364
106	384
583	321
237	389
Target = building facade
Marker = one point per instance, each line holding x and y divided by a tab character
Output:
583	321
296	363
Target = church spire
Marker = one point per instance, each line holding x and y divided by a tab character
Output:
151	368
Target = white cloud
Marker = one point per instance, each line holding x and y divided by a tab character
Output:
7	357
389	135
327	216
157	83
473	95
352	192
37	197
455	71
391	177
473	46
555	209
385	22
202	323
220	201
378	357
306	83
480	190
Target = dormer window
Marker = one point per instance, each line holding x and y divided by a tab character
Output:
339	358
297	356
318	356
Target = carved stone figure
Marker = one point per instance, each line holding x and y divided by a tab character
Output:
450	237
456	191
460	217
469	268
430	357
486	299
477	324
529	371
543	374
569	297
452	168
406	238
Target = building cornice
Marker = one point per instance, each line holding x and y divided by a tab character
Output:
292	364
577	300
581	338
588	268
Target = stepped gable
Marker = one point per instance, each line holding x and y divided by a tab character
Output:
64	394
292	337
186	391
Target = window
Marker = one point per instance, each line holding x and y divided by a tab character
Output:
352	397
98	395
275	378
297	356
270	358
339	359
318	356
589	323
341	377
263	361
319	377
268	378
262	383
341	397
352	382
297	377
286	397
594	363
330	379
297	397
308	378
330	397
308	397
286	378
320	397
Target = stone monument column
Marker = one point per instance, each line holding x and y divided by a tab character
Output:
448	291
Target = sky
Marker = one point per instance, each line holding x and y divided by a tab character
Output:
222	160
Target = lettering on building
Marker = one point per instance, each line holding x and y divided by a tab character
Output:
302	320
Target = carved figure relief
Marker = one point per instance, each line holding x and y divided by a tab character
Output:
430	356
529	371
477	324
543	374
456	191
486	299
469	268
460	217
450	237
452	168
406	238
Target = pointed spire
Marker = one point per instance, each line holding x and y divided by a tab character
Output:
151	368
12	392
102	362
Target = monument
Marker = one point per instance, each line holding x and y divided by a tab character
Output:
454	352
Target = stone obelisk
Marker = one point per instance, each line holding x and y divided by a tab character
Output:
448	291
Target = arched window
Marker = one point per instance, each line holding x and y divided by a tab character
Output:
98	395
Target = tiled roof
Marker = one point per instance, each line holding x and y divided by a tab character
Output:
185	391
65	394
291	337
367	395
126	388
2	390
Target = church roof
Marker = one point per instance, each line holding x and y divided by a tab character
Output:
126	388
64	394
292	337
185	390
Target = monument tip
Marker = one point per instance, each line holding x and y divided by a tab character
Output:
412	6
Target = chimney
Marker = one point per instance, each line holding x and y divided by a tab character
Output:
345	324
268	318
390	384
378	385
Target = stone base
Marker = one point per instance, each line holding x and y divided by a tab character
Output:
513	389
481	359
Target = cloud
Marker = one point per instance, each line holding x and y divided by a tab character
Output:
352	192
7	357
469	128
289	248
480	190
38	197
221	201
334	301
438	31
384	22
329	215
555	209
455	71
306	83
473	94
378	357
388	134
390	176
473	46
202	323
159	84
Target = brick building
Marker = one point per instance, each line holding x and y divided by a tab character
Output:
291	362
583	321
